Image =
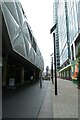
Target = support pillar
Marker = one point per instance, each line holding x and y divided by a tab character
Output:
67	73
74	50
37	75
34	76
40	78
22	76
52	71
4	75
64	73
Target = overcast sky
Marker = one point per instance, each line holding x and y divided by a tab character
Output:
40	17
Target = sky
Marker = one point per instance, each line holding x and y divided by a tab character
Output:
40	17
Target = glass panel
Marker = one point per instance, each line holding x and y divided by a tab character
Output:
19	46
12	9
72	19
26	31
20	14
11	23
20	34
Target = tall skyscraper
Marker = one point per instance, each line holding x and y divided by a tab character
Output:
67	17
55	11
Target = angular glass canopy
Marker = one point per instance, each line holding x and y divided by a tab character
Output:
19	33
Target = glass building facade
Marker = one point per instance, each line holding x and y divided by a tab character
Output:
72	19
79	15
21	36
73	22
68	26
55	10
62	31
21	55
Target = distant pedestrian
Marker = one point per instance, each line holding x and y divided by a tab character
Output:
40	78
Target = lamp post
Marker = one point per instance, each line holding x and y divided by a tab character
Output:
52	29
52	68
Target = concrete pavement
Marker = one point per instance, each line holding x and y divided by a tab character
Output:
65	104
46	110
29	102
35	102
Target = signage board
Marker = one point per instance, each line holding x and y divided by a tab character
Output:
74	69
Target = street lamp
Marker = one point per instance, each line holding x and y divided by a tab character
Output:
52	29
52	68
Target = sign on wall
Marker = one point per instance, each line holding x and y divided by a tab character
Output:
74	69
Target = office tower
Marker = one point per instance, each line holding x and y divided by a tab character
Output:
68	29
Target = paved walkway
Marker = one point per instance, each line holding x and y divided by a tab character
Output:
33	102
29	102
65	104
46	110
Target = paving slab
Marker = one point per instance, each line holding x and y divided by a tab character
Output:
46	110
65	104
28	102
36	102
